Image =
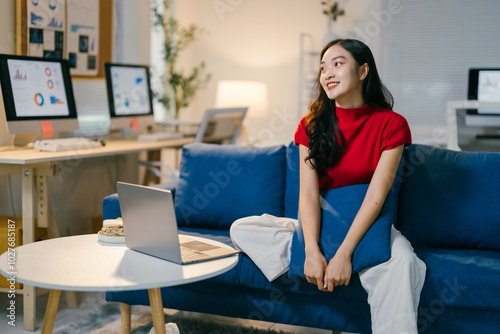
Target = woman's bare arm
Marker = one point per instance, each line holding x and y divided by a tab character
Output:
315	263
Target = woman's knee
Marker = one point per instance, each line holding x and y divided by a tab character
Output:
403	254
237	229
406	259
245	229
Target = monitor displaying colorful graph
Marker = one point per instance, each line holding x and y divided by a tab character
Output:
129	96
130	91
36	90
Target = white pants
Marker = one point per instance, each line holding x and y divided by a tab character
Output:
393	287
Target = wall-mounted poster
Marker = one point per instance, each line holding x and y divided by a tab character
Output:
82	36
46	28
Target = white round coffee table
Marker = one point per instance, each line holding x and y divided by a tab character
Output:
83	263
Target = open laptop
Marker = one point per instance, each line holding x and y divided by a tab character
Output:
150	227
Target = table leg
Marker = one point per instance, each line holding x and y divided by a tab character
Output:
29	296
51	311
156	304
126	317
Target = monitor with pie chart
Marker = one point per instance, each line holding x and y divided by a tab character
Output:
37	93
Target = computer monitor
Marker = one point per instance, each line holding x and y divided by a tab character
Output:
479	129
37	95
129	96
484	86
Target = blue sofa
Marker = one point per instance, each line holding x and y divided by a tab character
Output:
449	209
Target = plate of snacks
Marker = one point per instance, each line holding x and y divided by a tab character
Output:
112	231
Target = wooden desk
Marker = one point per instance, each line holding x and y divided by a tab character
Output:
452	121
35	167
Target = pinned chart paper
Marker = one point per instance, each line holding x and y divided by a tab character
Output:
83	36
46	26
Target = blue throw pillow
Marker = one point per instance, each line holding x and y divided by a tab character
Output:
222	183
338	208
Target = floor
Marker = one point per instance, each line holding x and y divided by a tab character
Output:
89	302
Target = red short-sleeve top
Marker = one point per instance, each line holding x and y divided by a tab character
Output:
368	132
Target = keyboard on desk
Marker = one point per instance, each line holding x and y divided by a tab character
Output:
157	136
66	144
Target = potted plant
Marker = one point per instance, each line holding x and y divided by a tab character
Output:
333	11
179	87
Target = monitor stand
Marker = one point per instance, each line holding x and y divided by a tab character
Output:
22	139
124	134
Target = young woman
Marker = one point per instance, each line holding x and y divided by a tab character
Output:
351	136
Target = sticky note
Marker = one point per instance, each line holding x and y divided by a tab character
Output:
47	129
134	123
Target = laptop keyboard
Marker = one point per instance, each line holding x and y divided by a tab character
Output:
188	254
198	246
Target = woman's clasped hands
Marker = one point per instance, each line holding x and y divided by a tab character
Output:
327	275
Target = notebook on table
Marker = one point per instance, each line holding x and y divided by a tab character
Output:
150	227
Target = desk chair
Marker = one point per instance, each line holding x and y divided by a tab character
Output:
218	126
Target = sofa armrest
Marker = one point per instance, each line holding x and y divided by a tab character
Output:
111	205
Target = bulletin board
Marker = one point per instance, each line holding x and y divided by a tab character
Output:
79	31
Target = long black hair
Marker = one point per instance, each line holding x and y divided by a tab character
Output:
326	141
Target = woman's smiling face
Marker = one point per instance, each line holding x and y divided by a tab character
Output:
342	78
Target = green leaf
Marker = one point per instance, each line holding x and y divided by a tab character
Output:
334	7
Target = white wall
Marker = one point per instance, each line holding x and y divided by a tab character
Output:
429	47
259	40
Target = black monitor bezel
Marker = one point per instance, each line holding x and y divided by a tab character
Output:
8	96
109	88
473	88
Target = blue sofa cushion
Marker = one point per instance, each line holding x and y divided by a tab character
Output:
340	206
450	199
292	181
111	206
222	183
461	278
